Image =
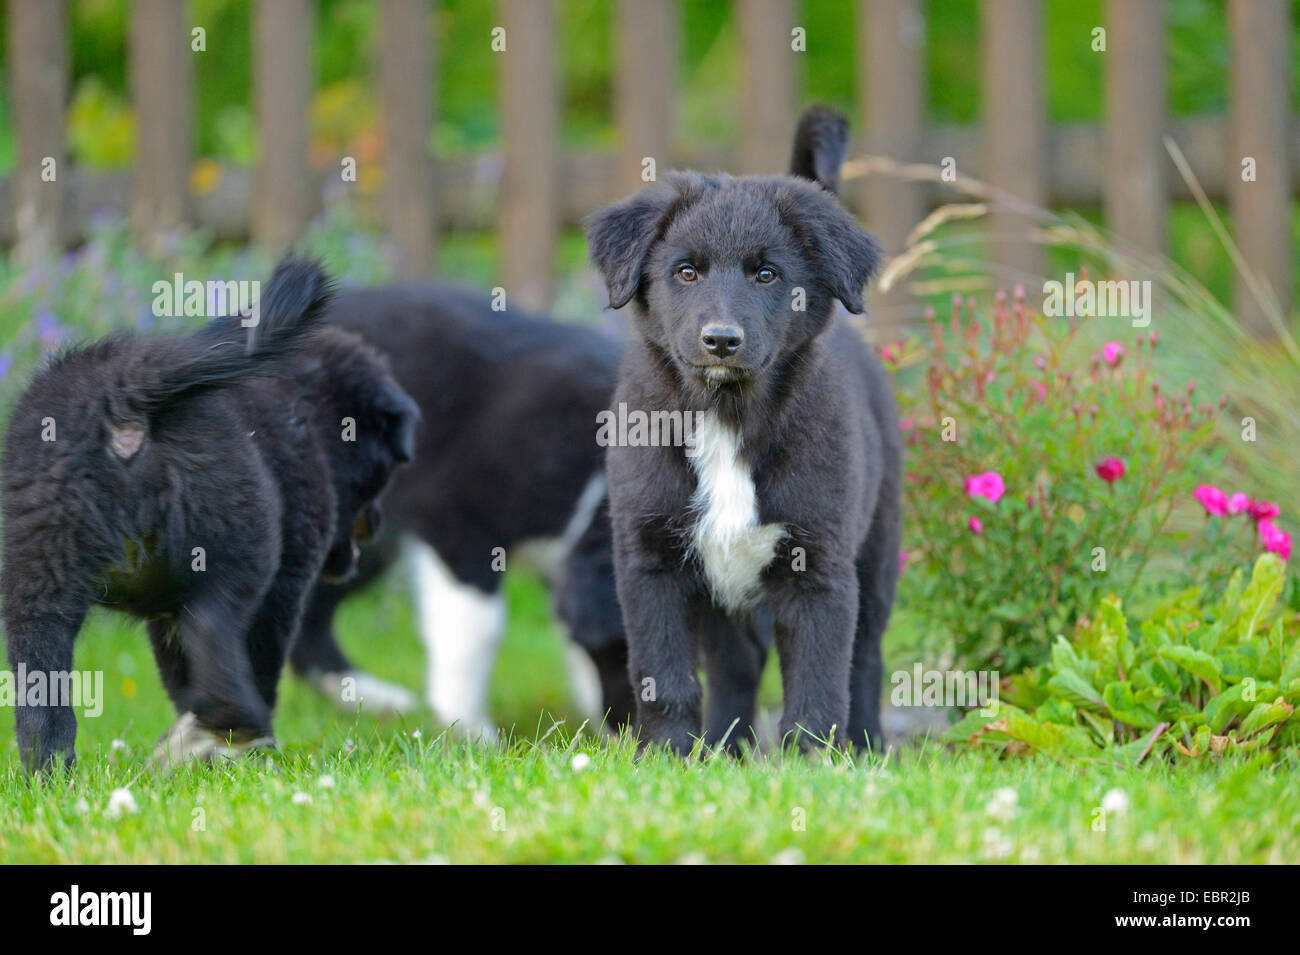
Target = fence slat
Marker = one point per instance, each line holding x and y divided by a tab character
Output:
528	212
770	84
1015	126
161	88
645	87
282	80
1136	191
891	87
406	86
1258	120
38	70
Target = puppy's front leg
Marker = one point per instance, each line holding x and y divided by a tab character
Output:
46	726
814	640
661	657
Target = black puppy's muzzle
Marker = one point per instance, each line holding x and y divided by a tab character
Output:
341	562
722	341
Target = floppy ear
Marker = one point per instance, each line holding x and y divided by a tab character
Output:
619	237
402	414
847	253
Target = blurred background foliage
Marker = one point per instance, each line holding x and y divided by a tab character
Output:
345	115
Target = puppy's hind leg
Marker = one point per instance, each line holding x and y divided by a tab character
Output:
41	642
877	579
222	712
462	628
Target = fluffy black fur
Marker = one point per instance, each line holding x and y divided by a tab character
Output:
222	440
817	428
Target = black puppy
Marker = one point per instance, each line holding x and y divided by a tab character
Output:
790	499
203	483
505	465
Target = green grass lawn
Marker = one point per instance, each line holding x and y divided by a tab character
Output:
354	789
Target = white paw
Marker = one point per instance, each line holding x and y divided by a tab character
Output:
353	688
187	740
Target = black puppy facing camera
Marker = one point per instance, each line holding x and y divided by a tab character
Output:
203	483
789	496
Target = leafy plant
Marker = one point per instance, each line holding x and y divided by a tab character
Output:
1198	678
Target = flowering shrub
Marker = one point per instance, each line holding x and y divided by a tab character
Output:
1039	480
1199	678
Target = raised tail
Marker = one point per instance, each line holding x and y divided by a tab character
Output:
226	350
820	142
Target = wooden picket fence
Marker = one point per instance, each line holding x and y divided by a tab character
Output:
533	189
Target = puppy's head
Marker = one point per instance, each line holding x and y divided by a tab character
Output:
730	275
370	423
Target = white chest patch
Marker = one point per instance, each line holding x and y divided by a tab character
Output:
730	543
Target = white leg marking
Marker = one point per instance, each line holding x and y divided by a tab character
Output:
462	629
731	544
375	696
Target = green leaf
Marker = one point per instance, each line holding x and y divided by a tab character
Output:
1075	688
1265	715
1125	708
1266	580
1197	662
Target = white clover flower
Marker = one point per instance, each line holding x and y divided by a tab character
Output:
118	744
579	762
82	806
996	845
121	803
301	798
1115	802
326	781
1003	804
791	856
416	734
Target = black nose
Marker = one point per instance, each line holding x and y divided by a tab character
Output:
722	340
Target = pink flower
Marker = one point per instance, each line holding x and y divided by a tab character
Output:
1212	499
989	485
975	526
1238	503
902	560
1039	389
891	353
1113	352
1110	470
1275	539
1262	510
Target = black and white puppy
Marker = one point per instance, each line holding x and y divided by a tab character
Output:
203	483
506	470
790	500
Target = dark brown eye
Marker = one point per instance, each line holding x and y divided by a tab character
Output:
766	275
687	273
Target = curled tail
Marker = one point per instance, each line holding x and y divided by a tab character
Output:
225	351
820	141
